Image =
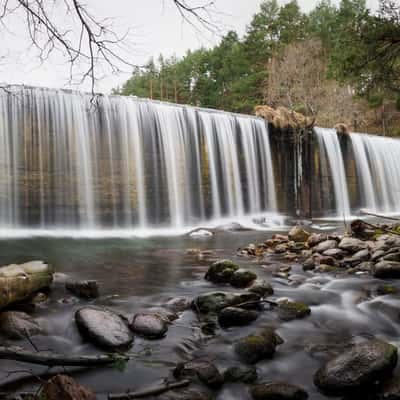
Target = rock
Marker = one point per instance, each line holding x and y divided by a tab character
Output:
281	248
335	253
258	346
382	290
204	370
289	310
376	255
241	375
391	389
85	289
221	271
359	257
63	387
179	304
242	278
152	326
190	394
280	238
215	301
392	257
315	239
201	233
19	282
386	269
297	234
18	325
361	366
328	261
277	391
262	288
352	245
104	328
325	245
39	298
234	316
310	263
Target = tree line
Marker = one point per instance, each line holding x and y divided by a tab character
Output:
339	63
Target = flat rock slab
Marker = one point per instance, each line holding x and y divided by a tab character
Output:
104	328
357	368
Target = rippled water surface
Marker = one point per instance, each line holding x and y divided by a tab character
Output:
140	274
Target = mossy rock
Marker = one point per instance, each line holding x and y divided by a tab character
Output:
221	271
242	279
277	391
386	289
289	310
258	346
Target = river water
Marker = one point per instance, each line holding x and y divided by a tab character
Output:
141	274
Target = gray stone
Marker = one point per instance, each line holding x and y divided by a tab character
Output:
104	328
84	289
234	316
19	325
357	368
316	238
387	269
335	253
152	326
359	257
221	271
179	304
277	391
258	346
352	244
392	257
325	245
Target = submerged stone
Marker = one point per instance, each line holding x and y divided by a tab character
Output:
361	366
241	374
258	346
277	391
104	328
19	325
262	288
242	278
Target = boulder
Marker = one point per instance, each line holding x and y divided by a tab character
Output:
221	271
289	310
352	245
84	289
234	316
298	234
151	326
216	301
315	239
19	282
241	374
258	346
104	328
242	278
386	269
277	391
18	325
325	245
357	368
204	370
63	387
262	288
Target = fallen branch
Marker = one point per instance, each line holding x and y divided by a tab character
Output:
383	229
152	391
379	216
253	303
54	359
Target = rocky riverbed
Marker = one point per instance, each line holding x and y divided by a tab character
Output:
235	315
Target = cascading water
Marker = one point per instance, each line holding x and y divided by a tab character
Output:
127	163
330	150
378	168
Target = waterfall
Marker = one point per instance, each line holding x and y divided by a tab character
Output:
331	151
67	162
378	167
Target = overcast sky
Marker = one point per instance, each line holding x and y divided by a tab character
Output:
156	28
